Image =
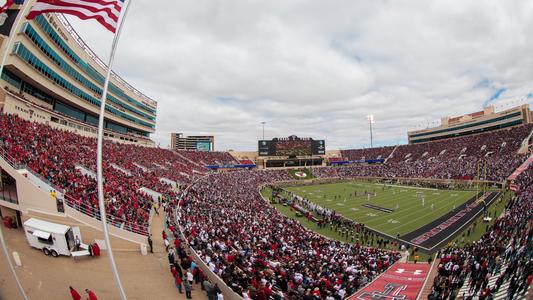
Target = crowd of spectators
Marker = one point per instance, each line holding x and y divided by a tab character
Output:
505	251
491	143
260	253
210	158
367	153
490	156
54	155
257	251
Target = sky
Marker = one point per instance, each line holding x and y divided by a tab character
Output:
317	68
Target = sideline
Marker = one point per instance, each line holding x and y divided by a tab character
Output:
407	187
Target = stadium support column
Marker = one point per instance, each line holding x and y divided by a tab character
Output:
99	170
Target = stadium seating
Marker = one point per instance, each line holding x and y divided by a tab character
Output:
368	153
480	145
54	154
210	158
252	246
499	265
249	244
492	156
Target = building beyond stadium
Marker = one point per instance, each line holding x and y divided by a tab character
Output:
51	76
192	143
477	122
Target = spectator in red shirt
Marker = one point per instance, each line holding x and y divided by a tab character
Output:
74	294
92	295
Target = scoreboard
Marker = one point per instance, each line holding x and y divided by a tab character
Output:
291	146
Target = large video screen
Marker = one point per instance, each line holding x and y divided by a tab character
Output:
291	146
203	146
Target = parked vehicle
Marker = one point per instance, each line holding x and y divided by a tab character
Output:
55	239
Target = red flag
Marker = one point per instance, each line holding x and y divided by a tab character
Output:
6	5
106	12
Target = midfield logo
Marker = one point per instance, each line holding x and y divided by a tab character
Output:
401	271
391	292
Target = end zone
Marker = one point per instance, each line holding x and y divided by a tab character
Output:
403	281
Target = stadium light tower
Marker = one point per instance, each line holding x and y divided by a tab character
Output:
263	124
370	118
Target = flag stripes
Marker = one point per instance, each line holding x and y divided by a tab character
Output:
106	12
6	5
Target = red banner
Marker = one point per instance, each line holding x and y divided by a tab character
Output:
521	169
403	281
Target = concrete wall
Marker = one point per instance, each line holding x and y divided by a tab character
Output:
30	197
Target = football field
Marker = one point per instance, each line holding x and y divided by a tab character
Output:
389	208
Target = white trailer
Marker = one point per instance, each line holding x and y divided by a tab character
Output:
53	239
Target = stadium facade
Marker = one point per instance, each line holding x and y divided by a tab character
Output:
51	76
477	122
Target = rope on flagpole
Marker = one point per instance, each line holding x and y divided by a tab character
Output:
2	63
99	171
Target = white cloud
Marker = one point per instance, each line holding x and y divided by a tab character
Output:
317	68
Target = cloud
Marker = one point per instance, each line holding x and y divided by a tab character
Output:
495	96
317	68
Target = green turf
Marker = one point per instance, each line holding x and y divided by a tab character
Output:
327	231
408	215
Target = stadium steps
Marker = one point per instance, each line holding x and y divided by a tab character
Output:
426	290
391	155
188	160
501	294
465	290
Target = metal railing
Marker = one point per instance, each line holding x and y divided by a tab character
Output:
10	160
41	177
92	212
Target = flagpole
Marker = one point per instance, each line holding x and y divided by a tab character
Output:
99	172
9	44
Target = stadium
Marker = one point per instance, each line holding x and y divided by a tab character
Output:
445	215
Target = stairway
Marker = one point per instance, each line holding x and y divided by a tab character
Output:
428	286
501	294
465	290
391	155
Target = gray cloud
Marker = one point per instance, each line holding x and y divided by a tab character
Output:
317	68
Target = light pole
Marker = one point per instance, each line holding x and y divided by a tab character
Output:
263	123
370	122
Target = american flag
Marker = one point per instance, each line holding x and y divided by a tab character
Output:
6	4
106	12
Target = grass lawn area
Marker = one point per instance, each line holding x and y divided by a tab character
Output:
332	234
412	208
408	213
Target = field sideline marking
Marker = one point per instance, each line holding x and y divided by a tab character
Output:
380	221
408	187
423	216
